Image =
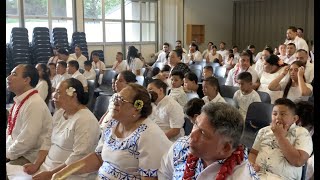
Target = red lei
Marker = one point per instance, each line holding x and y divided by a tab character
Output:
12	122
226	169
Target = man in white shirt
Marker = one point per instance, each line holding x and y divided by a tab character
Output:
97	64
120	65
300	32
292	37
89	72
210	148
223	51
194	53
291	49
179	44
206	52
29	119
210	88
283	51
62	74
63	54
162	56
302	56
236	53
78	56
73	69
243	66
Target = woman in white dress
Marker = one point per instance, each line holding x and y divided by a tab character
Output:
213	55
75	133
272	68
296	89
126	149
44	84
134	63
167	112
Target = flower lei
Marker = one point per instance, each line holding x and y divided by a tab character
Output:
138	104
12	122
225	170
70	91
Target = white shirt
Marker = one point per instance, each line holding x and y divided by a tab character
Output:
270	158
90	75
122	66
136	64
236	56
174	161
213	57
266	79
134	156
59	78
170	115
70	139
218	98
205	53
309	72
197	56
162	58
70	58
299	42
294	93
259	55
80	60
99	65
33	122
231	79
81	78
42	88
290	60
243	101
179	95
259	67
224	53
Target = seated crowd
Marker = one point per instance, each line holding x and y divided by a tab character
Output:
177	125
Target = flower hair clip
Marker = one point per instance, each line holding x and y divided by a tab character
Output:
70	91
138	104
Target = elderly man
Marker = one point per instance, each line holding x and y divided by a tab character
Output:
302	56
29	117
292	37
212	150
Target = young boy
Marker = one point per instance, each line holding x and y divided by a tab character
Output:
207	72
97	64
177	91
211	90
246	94
89	72
281	149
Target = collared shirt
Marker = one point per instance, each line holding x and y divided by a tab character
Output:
299	42
81	78
32	124
270	158
179	95
70	139
218	98
174	161
231	76
244	100
59	78
162	57
309	72
90	75
42	88
122	66
290	60
170	115
80	60
99	65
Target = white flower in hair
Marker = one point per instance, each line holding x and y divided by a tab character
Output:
70	91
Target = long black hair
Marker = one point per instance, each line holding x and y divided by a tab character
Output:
46	76
132	53
289	84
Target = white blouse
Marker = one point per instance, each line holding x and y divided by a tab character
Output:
134	156
70	139
294	93
42	88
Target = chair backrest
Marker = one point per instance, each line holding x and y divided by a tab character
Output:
140	80
195	66
101	106
198	72
191	95
187	126
221	80
265	97
231	102
108	76
228	91
220	71
259	114
91	87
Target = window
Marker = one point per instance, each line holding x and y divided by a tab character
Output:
12	17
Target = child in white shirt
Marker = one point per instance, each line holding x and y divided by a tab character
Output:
177	92
246	94
89	73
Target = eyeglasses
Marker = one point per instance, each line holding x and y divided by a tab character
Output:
119	99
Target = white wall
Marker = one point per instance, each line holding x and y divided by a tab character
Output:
216	15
